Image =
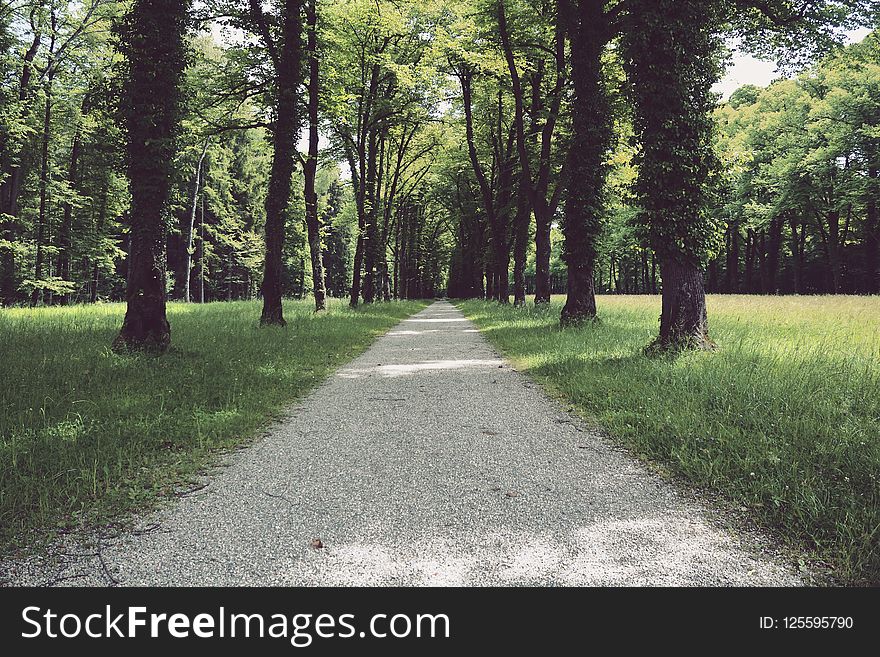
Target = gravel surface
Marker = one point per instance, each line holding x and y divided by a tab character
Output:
426	461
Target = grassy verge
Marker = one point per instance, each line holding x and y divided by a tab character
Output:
783	419
87	435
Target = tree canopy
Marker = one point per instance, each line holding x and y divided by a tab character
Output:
377	150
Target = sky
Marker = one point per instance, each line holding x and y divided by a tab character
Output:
745	69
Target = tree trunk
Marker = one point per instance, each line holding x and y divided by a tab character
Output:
542	257
465	77
371	238
537	188
733	258
66	229
156	59
683	319
872	234
187	271
520	241
202	252
42	218
587	153
771	259
832	251
311	167
796	254
672	88
653	273
750	261
284	138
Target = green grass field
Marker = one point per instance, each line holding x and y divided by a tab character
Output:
89	435
784	418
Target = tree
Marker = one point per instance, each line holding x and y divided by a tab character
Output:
584	208
155	49
544	196
286	56
673	105
310	168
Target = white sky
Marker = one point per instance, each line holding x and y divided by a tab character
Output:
745	69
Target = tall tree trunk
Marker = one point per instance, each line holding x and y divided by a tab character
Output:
465	76
202	252
750	261
591	140
771	258
284	138
156	58
653	273
872	234
66	229
42	217
197	180
357	265
673	105
761	261
733	257
311	167
794	246
520	241
371	237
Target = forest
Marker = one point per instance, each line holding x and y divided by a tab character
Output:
373	151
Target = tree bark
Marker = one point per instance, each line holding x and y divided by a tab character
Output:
66	229
156	59
284	151
591	140
670	50
202	252
521	241
42	217
313	224
872	234
683	320
733	257
371	228
771	258
197	178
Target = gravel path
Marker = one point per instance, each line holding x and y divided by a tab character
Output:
426	461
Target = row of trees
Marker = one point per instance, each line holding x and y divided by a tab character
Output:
610	131
160	158
795	204
380	150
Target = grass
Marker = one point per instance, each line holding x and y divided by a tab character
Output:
87	436
783	419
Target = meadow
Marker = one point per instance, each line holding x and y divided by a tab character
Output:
88	436
782	420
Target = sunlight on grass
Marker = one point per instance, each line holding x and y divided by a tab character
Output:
87	434
784	418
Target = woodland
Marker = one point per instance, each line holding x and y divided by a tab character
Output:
369	150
